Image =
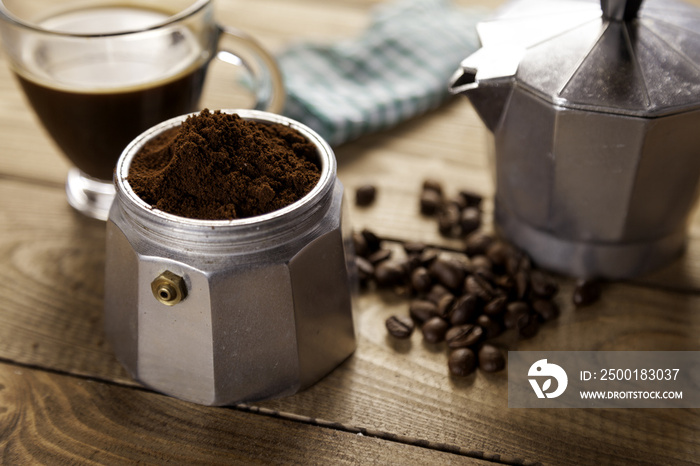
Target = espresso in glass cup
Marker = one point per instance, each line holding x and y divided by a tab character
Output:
98	73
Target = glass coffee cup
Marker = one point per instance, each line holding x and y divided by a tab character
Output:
98	73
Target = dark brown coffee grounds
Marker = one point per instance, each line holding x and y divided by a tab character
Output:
218	166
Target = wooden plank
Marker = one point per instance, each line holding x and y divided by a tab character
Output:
51	272
47	418
52	281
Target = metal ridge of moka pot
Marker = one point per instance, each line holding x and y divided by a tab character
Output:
226	311
594	110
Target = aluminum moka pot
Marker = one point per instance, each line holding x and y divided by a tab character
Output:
219	312
594	110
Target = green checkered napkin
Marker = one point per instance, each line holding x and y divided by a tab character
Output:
397	69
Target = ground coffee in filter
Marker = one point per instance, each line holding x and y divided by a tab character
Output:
218	166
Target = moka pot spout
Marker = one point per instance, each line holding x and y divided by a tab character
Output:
486	78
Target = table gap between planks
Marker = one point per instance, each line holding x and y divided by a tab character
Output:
64	397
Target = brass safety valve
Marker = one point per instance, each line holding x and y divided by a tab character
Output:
169	288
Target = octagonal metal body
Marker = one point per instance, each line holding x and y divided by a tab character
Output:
599	195
268	306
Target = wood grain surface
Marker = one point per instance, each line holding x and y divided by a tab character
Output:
64	399
50	418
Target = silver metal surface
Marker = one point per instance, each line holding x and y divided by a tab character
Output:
572	55
595	121
268	303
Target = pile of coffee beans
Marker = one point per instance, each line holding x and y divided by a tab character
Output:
457	216
463	298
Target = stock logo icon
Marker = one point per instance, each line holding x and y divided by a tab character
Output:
542	370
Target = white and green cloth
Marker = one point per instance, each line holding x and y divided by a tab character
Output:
397	69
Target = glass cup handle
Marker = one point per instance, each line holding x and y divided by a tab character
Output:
238	48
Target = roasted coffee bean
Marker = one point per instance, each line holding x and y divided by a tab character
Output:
447	272
461	362
522	283
480	262
498	252
477	285
365	195
436	293
389	273
496	307
434	330
430	184
490	278
477	243
413	261
587	292
365	269
430	202
414	247
406	265
512	263
491	327
545	309
472	199
491	359
464	310
528	325
428	256
517	261
514	311
360	244
470	220
505	283
400	326
420	280
542	285
373	241
445	305
422	310
461	262
448	221
463	336
379	256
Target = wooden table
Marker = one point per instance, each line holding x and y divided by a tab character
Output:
65	399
